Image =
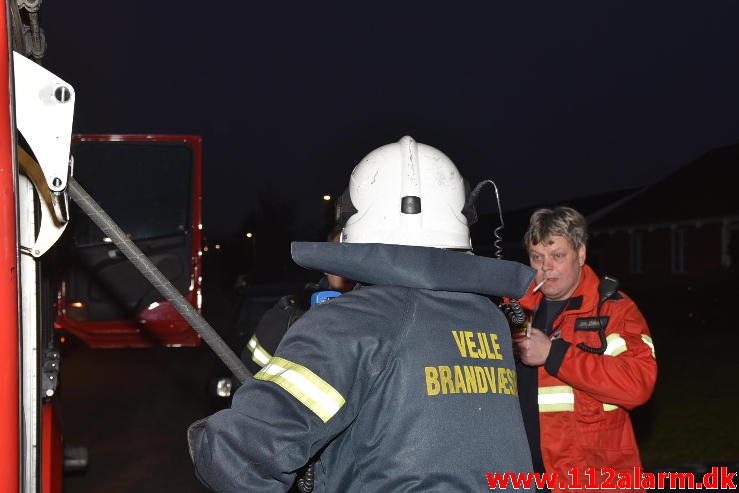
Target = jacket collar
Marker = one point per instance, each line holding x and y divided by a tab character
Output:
415	267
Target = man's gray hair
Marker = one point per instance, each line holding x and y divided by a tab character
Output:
559	221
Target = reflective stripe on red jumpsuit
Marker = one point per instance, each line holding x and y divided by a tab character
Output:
584	398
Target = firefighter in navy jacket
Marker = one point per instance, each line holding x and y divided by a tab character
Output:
592	354
406	383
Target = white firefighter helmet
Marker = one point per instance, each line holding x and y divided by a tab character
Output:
407	193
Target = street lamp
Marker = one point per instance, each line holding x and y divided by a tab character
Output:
326	197
252	246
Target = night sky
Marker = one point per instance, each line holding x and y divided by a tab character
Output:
553	100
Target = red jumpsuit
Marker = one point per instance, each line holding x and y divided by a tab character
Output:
584	398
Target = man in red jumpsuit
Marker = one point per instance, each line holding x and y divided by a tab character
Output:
586	362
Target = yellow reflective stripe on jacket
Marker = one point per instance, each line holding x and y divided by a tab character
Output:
609	407
616	345
304	385
258	354
556	398
648	341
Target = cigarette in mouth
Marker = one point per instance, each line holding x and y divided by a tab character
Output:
538	286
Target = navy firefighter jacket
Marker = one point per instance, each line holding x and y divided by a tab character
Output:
407	383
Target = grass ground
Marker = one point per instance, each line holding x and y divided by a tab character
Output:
693	416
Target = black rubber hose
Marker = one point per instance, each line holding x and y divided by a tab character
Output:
157	279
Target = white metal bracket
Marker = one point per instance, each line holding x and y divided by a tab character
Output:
44	112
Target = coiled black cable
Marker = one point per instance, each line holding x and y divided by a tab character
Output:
498	241
512	309
514	312
307	481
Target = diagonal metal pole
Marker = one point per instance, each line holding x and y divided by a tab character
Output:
157	279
